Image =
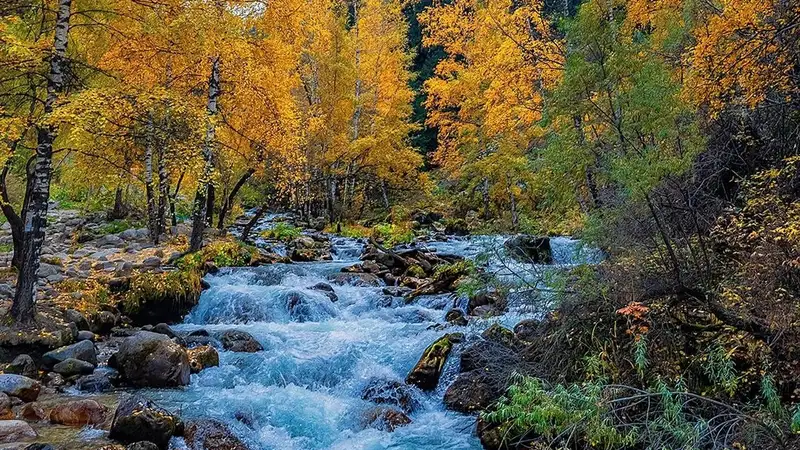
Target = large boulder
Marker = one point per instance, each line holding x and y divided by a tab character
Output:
208	434
15	431
425	374
83	350
390	392
79	413
152	360
137	419
24	388
202	357
239	341
472	391
529	249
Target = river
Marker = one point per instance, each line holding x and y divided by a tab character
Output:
304	390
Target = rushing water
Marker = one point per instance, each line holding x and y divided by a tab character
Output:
304	390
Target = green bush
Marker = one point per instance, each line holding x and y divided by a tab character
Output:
117	226
282	231
393	234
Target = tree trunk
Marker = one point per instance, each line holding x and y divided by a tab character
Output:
119	211
210	201
229	200
385	194
24	307
152	212
253	220
172	199
163	191
14	220
200	202
514	213
486	199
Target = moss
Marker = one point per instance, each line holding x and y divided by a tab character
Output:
175	292
282	232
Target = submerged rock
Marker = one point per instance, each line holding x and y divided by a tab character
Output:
240	341
95	383
142	445
79	413
529	249
390	392
327	289
152	360
356	279
202	357
456	317
15	430
137	419
425	374
385	419
206	434
24	388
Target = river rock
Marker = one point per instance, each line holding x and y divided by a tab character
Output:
23	365
501	335
24	388
83	351
240	341
32	412
39	446
15	430
79	413
357	279
202	357
327	289
486	303
137	419
390	392
95	383
85	335
384	418
425	374
456	317
206	434
529	249
77	318
142	445
71	367
528	330
103	322
6	412
472	391
152	360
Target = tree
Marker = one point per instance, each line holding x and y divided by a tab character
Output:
35	213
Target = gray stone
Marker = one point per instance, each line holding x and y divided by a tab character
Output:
71	367
15	430
46	270
85	335
83	351
23	365
6	291
24	388
152	261
152	360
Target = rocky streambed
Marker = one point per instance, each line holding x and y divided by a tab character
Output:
357	346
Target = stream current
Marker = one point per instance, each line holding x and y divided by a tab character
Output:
303	391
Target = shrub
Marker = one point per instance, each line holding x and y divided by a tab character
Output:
393	234
282	232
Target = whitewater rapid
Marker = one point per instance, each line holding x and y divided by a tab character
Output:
303	391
